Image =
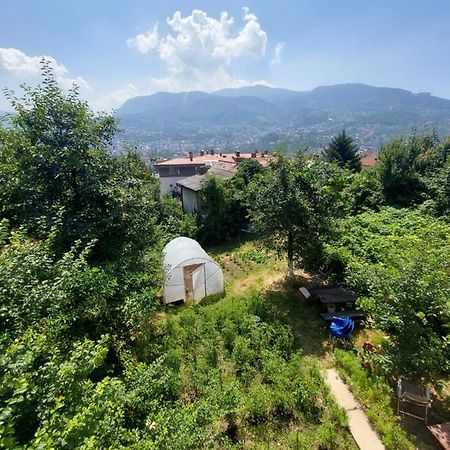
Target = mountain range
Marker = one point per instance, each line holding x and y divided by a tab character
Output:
261	116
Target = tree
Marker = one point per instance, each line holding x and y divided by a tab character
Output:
343	151
56	167
291	206
397	260
224	209
399	177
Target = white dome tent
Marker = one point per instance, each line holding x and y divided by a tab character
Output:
190	272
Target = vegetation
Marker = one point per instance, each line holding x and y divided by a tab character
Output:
415	170
374	394
291	206
90	358
344	152
224	211
399	262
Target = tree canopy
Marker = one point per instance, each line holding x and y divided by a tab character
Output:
291	208
343	151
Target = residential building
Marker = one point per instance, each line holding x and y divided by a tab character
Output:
190	187
171	171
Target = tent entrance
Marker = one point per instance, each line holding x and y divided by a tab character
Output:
194	282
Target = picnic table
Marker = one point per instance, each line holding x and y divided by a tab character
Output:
342	299
333	295
354	314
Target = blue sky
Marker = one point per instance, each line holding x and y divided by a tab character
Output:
116	49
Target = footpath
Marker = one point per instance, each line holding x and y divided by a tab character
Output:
364	435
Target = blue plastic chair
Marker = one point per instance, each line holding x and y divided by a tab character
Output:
342	327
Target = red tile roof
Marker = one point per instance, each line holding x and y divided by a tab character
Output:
200	160
369	161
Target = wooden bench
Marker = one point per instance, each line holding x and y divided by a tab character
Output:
353	314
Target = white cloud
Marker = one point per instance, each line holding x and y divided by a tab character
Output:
19	64
278	54
146	41
199	50
116	98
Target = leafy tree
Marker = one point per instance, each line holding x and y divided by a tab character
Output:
409	166
213	219
343	151
364	191
55	166
398	261
291	206
173	221
224	209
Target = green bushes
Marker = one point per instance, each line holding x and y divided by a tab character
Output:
232	356
399	263
374	394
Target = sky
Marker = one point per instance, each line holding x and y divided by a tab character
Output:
117	49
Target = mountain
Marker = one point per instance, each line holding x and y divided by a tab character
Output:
266	93
252	116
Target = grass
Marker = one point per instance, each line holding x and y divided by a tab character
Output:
375	395
256	289
252	356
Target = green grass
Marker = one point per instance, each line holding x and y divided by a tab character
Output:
240	354
251	358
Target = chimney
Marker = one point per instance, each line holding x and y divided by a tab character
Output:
266	152
212	152
191	156
238	154
202	152
253	155
220	154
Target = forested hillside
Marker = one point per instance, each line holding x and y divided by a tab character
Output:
260	116
90	358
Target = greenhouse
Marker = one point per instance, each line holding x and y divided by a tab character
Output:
190	273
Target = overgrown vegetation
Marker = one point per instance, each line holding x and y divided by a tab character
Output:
89	357
399	263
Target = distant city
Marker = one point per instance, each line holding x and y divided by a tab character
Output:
167	125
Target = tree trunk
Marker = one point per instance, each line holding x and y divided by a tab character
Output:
290	255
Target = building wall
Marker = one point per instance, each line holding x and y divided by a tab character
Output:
169	175
178	170
167	184
190	200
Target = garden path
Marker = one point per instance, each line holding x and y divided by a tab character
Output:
364	435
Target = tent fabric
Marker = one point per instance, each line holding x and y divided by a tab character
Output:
189	271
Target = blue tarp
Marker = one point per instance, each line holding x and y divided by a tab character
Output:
342	327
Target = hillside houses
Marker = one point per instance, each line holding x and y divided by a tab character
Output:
172	171
190	187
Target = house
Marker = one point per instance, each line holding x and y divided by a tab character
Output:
171	171
190	187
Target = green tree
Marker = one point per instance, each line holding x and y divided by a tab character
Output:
343	151
398	262
56	166
224	211
291	206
